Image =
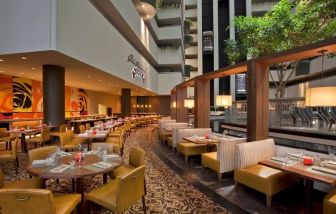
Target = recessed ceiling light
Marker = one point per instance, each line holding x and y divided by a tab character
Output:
1	71
147	16
109	83
99	80
22	73
142	5
1	60
23	57
88	76
33	68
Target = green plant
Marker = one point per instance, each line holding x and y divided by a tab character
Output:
168	4
187	70
188	39
187	25
289	24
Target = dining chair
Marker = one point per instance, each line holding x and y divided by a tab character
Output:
41	153
41	139
6	137
119	194
22	183
37	201
61	130
11	155
87	126
118	141
81	129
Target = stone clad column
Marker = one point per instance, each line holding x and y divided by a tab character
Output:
125	102
53	94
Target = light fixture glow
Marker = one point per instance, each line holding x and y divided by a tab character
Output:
1	71
1	60
33	68
189	103
224	100
174	104
23	58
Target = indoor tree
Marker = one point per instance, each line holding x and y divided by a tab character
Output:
291	23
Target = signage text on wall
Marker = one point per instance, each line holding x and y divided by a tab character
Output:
137	71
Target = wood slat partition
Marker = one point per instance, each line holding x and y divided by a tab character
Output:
181	111
202	103
172	100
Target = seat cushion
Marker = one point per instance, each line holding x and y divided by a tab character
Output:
104	195
65	203
121	170
170	141
210	160
34	140
329	202
264	179
6	155
33	183
191	148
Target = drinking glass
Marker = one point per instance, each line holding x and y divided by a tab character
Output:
85	149
104	155
331	153
285	159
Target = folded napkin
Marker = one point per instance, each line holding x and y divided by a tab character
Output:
294	156
331	162
92	152
60	168
281	159
40	162
102	165
63	153
112	156
323	169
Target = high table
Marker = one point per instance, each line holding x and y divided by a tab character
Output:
84	169
307	173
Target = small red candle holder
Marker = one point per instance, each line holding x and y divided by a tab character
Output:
307	160
94	132
44	125
21	129
207	136
78	157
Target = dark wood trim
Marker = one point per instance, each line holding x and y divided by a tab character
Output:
202	103
181	111
172	108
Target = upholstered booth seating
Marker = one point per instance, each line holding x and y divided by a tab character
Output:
261	178
189	148
22	183
136	159
25	124
40	139
68	141
11	155
37	201
172	140
223	159
6	137
161	123
329	202
120	193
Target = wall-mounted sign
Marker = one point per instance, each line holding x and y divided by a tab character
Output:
137	71
241	83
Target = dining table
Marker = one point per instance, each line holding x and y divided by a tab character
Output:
91	164
310	174
202	140
92	135
23	132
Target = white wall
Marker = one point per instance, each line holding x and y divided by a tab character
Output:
83	33
168	81
26	26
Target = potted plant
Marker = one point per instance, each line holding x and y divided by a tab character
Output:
187	26
169	3
188	39
187	70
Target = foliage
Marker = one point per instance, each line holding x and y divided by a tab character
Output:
188	23
168	3
290	24
187	70
188	39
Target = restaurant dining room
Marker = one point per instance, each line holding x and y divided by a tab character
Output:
167	106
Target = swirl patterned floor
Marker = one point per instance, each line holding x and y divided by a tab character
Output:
167	192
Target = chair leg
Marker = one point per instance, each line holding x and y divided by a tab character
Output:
17	162
145	186
268	200
186	159
35	145
144	204
16	168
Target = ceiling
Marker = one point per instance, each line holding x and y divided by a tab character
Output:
77	74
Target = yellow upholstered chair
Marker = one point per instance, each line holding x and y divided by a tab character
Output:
261	178
87	126
68	141
34	183
136	159
329	202
81	129
61	130
41	153
120	193
107	146
11	155
6	137
41	139
118	141
37	201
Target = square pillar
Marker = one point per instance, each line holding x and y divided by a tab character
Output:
202	103
125	99
181	111
172	107
257	101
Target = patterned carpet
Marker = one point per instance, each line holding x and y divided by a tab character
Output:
167	192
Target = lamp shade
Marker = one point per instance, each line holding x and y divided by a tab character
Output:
189	103
224	100
174	104
321	96
147	9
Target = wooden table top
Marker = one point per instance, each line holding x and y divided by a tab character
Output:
83	170
24	131
99	134
301	170
201	140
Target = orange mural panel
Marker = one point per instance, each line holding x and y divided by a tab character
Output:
37	95
6	94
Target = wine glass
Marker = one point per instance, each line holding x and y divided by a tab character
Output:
72	164
85	149
332	153
285	159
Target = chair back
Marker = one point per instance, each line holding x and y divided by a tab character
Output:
62	128
131	188
226	152
41	153
250	153
14	147
64	138
3	133
162	121
181	133
70	135
21	201
81	129
107	146
87	126
136	157
45	134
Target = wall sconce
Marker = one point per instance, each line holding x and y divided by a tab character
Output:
174	104
137	106
224	100
146	106
189	103
149	106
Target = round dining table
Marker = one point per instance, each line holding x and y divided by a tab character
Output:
85	168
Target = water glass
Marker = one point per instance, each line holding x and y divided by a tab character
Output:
285	159
104	155
85	149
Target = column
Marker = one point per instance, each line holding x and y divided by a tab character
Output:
216	48
202	103
257	101
172	103
53	94
181	111
125	102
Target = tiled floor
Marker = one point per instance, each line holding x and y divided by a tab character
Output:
240	200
